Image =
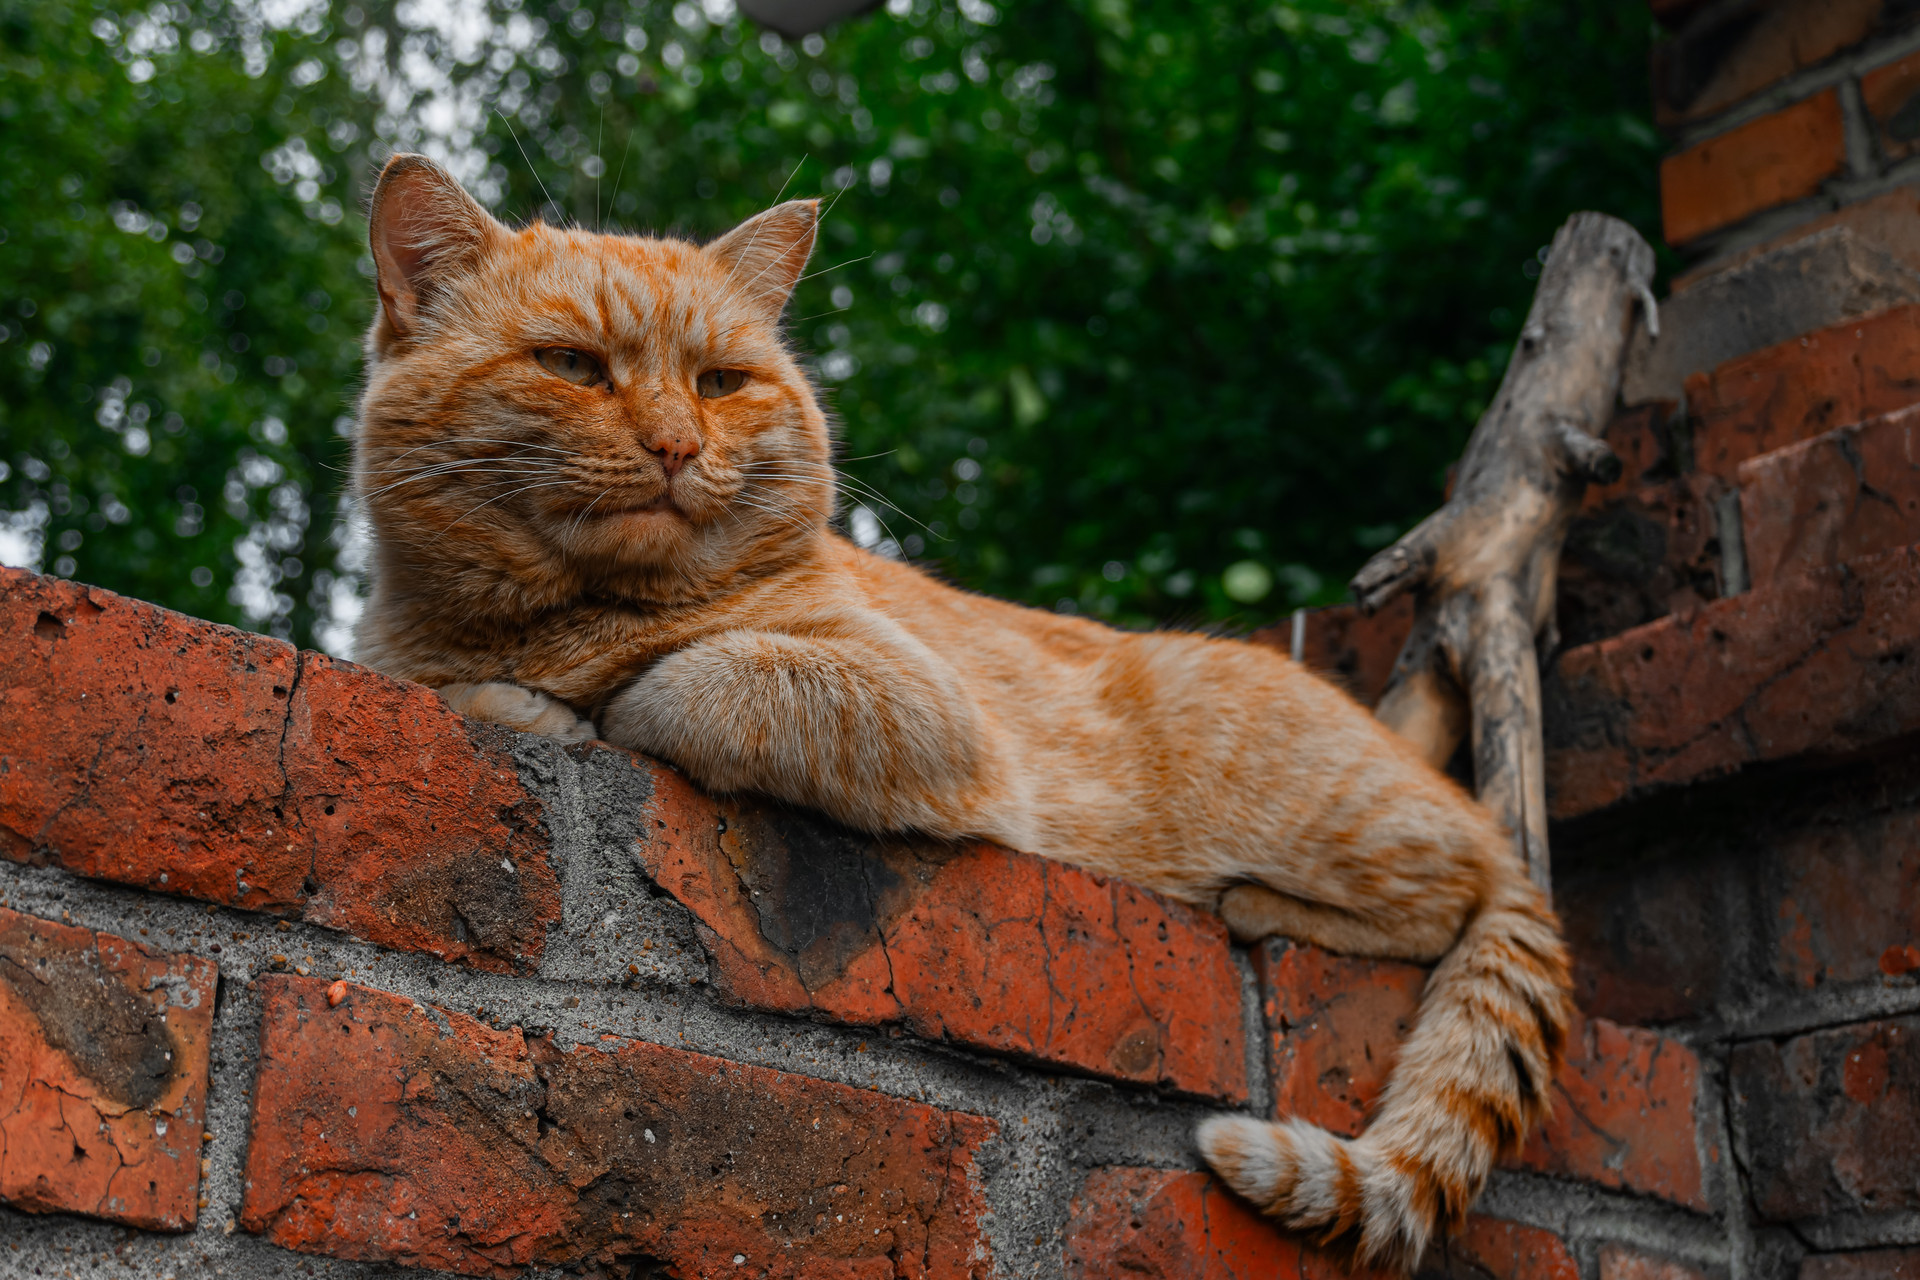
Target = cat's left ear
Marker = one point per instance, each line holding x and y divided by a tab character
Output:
423	228
766	254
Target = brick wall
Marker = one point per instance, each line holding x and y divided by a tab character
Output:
295	961
303	974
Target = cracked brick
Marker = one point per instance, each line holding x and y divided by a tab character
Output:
103	1074
1335	1025
1175	1225
176	755
388	1131
1495	1249
1625	1115
966	942
1836	497
1828	1122
1823	665
1804	387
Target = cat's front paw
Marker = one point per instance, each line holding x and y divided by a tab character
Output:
517	707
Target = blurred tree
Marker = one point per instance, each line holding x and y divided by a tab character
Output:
1144	309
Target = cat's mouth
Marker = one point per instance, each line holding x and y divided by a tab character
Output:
661	505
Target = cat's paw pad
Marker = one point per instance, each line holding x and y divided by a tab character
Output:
518	707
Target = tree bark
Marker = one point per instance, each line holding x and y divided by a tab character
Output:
1484	566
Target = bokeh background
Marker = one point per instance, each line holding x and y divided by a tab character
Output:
1162	312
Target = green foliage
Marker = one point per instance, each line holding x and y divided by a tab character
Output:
1149	310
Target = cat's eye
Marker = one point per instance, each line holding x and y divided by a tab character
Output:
575	366
715	383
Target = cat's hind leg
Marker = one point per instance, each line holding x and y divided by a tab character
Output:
1469	1082
518	707
1253	911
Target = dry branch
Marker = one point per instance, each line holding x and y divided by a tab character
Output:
1484	566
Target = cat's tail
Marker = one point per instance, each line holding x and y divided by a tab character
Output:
1469	1082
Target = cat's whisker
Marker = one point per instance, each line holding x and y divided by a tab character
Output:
625	154
582	517
835	267
853	485
435	473
524	156
755	237
549	484
787	517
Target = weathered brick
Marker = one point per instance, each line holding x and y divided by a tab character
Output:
1892	97
167	753
1862	1264
1833	498
968	942
103	1074
1750	897
1842	893
1184	1226
1743	49
1820	665
389	1131
1619	1262
1829	1122
1651	551
1336	1024
420	833
1623	1098
1495	1249
1624	1114
143	746
1802	388
1776	159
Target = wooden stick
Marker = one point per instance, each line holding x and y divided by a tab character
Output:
1484	566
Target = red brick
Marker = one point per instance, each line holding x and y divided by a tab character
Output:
1495	1249
1846	891
143	746
1624	1114
419	831
1618	1262
1864	1264
103	1074
1776	159
1804	387
385	1131
1623	1098
1712	66
1829	1121
1825	664
1336	1024
167	753
1836	497
1184	1226
1888	92
969	943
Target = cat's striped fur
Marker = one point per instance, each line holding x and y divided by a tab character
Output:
633	535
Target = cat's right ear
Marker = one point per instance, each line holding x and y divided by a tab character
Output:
422	227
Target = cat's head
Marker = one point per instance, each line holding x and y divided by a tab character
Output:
553	412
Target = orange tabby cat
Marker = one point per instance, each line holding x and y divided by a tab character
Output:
600	490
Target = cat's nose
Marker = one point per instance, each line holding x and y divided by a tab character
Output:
674	452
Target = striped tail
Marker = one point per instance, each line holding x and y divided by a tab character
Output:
1470	1081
